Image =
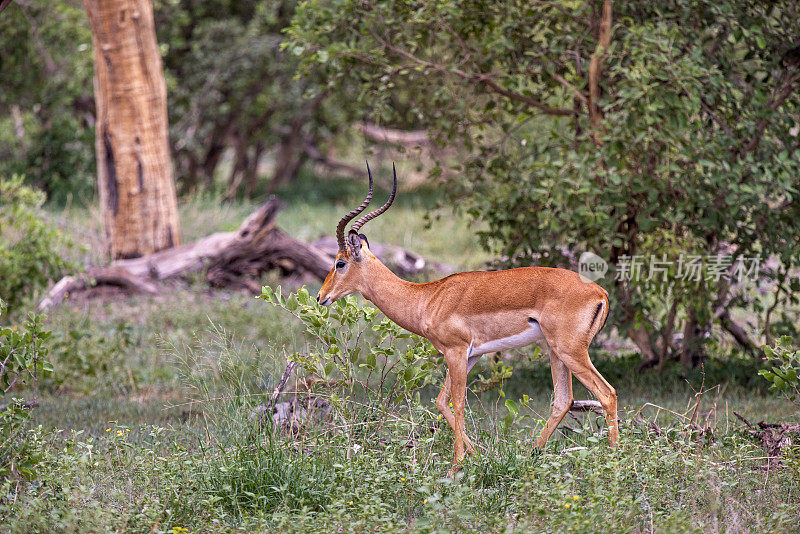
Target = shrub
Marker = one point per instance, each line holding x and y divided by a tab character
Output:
785	371
23	359
29	244
352	346
23	353
20	452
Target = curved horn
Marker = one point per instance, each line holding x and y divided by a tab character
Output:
349	217
368	217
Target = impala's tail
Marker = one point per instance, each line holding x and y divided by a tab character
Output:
603	307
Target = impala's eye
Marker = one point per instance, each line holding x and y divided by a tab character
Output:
340	264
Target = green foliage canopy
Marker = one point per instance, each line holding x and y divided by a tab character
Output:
232	86
695	149
46	104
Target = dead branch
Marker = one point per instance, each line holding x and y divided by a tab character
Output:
742	419
232	259
587	406
284	379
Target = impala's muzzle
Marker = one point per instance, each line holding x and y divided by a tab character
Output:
325	302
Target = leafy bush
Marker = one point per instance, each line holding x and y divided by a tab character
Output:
23	360
23	353
378	368
785	371
19	453
47	111
29	245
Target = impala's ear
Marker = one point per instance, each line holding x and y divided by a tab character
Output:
364	239
354	243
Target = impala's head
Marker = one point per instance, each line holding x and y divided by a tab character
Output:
353	257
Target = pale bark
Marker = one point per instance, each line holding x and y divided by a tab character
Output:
134	171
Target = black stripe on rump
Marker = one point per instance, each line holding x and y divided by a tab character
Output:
596	313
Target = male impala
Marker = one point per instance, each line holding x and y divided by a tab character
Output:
467	315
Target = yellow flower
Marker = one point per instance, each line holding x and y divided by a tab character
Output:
108	430
351	502
402	479
14	328
566	506
576	497
425	501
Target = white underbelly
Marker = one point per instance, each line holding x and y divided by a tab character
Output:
524	338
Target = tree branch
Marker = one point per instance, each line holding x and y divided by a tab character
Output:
575	91
316	155
778	98
595	67
393	136
484	78
738	333
716	118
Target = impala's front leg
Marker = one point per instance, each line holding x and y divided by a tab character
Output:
457	370
443	404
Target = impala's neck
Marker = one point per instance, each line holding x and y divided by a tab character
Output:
401	301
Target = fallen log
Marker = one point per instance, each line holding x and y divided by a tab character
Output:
231	259
94	276
775	438
256	247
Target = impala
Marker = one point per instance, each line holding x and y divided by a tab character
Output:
469	314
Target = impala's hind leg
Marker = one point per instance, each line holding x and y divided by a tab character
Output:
570	342
562	398
582	368
605	393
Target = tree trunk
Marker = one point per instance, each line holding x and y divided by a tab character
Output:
290	156
134	171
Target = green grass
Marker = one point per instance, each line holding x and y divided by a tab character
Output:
145	426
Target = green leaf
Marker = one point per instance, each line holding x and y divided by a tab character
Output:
267	294
512	407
